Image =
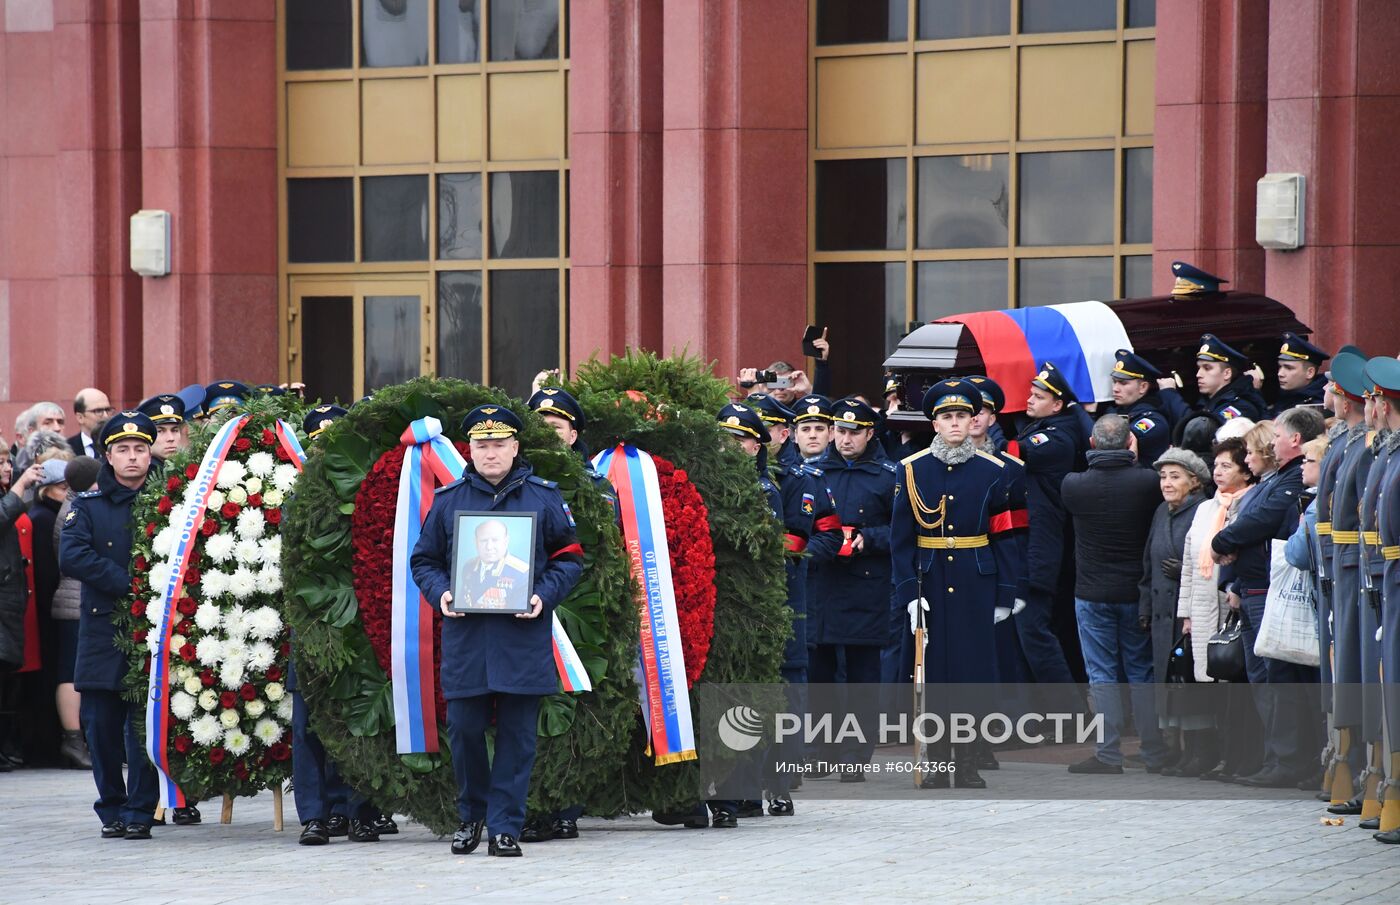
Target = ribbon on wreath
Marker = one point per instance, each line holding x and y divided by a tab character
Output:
287	439
187	531
665	700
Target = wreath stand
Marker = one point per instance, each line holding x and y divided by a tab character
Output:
226	812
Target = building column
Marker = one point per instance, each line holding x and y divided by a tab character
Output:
1209	136
209	157
1334	109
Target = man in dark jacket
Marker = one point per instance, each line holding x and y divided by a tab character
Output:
1300	377
96	550
1135	398
1112	504
1227	392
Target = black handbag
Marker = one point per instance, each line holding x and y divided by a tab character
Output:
1225	651
1181	663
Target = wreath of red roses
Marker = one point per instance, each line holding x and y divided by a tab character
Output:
692	563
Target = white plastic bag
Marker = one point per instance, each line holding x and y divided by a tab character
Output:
1289	628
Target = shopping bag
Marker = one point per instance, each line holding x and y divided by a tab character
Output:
1288	630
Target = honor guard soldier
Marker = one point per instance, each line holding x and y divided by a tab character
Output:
496	665
1053	444
1227	392
1385	372
167	413
953	552
811	427
849	606
1300	377
95	549
1369	479
1135	398
223	396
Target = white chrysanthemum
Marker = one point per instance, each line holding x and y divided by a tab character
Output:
209	650
248	551
274	498
255	708
208	699
267	731
208	615
192	685
251	523
270	580
274	691
253	485
220	547
237	742
235	651
261	656
237	495
231	474
159	577
206	730
153	640
228	718
215	584
260	464
284	709
284	476
216	500
182	705
264	623
272	549
231	675
242	583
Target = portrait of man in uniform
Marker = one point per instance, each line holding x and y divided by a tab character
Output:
491	562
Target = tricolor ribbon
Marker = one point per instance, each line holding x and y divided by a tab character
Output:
665	700
287	439
187	525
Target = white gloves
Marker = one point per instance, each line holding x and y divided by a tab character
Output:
1380	632
1001	614
913	609
1018	606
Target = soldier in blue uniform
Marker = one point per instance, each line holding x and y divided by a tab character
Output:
849	605
1300	377
782	449
167	413
496	664
1227	392
1385	371
1135	398
95	549
223	395
953	552
1053	444
811	427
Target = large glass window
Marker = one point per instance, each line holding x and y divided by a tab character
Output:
963	201
459	216
1137	195
1142	13
459	325
1137	276
319	34
525	214
1068	15
963	18
524	29
1052	281
862	306
328	361
393	33
395	218
458	31
862	21
524	327
860	204
956	287
392	324
320	220
1066	198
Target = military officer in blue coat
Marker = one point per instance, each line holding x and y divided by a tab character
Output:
224	395
1226	392
496	665
95	549
953	551
167	413
1372	571
1135	398
1053	444
811	427
1300	377
1385	371
782	448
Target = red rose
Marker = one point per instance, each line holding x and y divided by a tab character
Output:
165	505
138	608
139	636
255	499
216	755
274	516
242	444
248	692
206	678
240	769
229	510
150	529
174	483
227	699
136	585
286	649
274	674
209	528
280	751
191	575
187	606
185	627
268	438
187	652
139	563
191	471
282	454
182	743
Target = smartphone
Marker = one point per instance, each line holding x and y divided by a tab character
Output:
813	332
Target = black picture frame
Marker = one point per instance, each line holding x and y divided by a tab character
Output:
506	583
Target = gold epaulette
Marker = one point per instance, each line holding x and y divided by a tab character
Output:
991	458
1016	459
908	459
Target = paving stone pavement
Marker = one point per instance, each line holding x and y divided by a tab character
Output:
1114	851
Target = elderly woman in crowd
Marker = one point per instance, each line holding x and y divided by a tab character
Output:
1199	601
1183	478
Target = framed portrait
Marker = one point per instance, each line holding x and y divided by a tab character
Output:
493	565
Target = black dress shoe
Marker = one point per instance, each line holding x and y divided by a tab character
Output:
504	846
1346	808
724	820
1270	779
564	828
986	760
138	831
187	816
384	825
1310	783
536	831
338	825
314	833
854	776
1390	837
938	779
1370	823
691	820
967	777
467	837
114	830
362	831
750	808
1092	765
780	807
1190	769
